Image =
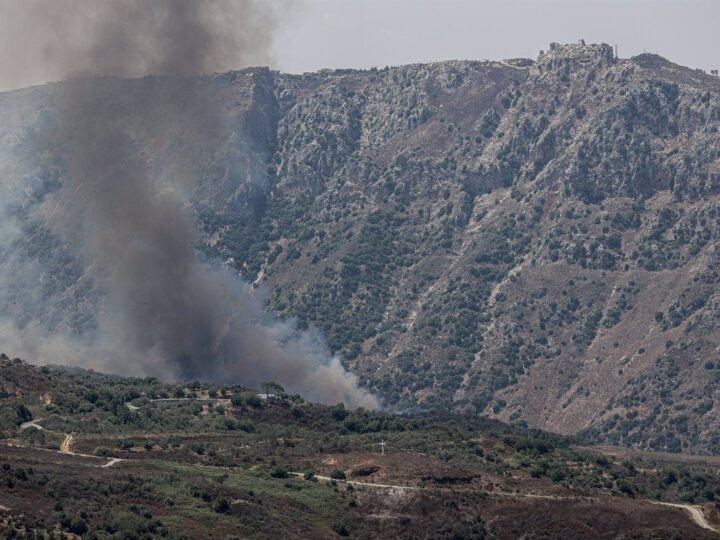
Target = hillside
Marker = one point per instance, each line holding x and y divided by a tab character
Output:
530	240
94	456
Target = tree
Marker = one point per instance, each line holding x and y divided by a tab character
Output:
271	387
23	414
339	412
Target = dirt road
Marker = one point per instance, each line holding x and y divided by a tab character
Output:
65	447
694	511
356	483
31	423
695	514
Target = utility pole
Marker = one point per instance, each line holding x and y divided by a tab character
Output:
382	447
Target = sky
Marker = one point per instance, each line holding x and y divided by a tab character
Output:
367	33
308	35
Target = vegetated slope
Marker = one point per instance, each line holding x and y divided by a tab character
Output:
222	461
531	240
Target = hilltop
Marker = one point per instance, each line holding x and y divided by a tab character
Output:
533	240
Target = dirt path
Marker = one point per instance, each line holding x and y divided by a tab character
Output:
31	423
65	447
695	514
67	452
356	483
490	493
695	511
541	496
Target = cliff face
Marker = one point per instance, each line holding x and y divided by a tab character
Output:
531	240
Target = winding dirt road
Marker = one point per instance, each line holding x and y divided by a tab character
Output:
66	448
695	514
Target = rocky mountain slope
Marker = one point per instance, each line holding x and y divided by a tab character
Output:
533	240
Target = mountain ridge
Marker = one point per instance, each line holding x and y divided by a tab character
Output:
533	242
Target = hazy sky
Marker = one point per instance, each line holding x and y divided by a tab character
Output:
308	35
366	33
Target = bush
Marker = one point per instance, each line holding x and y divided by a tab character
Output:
279	472
341	529
338	412
221	506
125	444
79	527
253	400
23	414
337	474
246	426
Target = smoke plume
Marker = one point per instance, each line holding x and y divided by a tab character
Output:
163	310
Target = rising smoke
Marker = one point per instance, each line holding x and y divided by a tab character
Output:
164	311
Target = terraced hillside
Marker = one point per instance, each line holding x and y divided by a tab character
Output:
533	240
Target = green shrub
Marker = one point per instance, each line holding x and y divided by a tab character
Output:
251	399
221	505
125	444
339	412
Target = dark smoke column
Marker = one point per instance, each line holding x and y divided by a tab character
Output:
166	312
